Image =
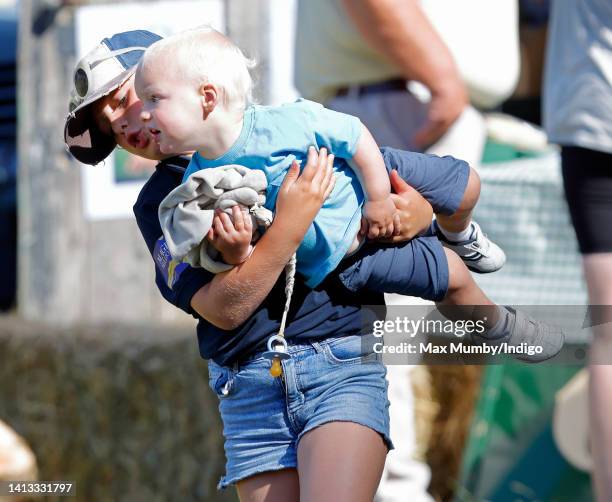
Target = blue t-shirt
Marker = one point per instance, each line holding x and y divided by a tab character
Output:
329	310
271	139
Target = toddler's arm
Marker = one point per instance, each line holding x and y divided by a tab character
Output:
232	240
379	211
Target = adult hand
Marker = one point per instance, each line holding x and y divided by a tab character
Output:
448	100
301	195
415	213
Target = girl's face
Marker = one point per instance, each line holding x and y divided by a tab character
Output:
118	115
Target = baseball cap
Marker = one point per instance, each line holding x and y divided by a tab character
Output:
98	73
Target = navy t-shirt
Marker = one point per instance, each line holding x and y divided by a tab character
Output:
328	310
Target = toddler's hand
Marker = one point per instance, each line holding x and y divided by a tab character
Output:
232	238
380	218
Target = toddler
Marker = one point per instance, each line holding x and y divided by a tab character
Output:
195	88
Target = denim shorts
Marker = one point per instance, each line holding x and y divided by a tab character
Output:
264	418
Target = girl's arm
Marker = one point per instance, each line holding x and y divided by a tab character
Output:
232	296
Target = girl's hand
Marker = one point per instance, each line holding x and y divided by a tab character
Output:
414	212
301	195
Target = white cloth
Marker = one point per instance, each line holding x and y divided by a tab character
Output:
186	214
483	37
578	74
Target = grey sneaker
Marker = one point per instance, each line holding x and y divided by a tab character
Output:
535	340
479	253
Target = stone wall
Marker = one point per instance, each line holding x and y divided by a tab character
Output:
124	411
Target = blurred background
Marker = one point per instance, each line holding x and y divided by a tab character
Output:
100	380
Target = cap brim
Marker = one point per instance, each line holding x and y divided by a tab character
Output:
81	134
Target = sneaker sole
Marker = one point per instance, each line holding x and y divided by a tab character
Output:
483	272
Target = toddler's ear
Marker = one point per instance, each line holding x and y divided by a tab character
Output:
210	95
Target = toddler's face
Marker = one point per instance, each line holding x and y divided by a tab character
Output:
172	110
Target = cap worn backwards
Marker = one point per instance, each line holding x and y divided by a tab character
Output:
98	73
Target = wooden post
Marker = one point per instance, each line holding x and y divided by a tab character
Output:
72	269
52	232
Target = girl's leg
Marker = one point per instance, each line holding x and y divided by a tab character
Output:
588	183
275	486
340	462
598	275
